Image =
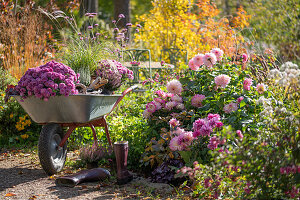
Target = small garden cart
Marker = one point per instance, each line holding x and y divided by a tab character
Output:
81	110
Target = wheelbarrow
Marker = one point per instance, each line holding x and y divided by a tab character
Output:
81	110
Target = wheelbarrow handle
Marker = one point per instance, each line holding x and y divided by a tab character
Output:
121	97
129	90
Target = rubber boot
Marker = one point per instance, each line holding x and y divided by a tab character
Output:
121	153
90	175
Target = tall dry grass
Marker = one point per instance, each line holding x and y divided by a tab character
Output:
24	38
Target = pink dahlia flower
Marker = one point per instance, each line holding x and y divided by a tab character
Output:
170	105
198	60
174	122
209	59
247	83
176	98
186	139
192	65
175	144
260	88
158	105
161	94
159	100
222	80
231	107
174	87
151	107
197	100
213	143
178	131
245	58
218	53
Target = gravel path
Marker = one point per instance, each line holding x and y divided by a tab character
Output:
21	177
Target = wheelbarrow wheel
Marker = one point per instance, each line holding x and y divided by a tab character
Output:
52	157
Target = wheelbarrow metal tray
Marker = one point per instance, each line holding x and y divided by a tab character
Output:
79	108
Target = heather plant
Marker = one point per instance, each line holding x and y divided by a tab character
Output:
94	153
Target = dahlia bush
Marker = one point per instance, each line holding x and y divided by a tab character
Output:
237	130
48	80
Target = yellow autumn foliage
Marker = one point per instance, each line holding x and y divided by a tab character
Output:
193	28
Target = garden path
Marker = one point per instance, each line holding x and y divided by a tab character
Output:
21	177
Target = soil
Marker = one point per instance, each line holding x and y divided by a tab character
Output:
21	177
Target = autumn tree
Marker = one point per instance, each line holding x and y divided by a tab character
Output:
192	27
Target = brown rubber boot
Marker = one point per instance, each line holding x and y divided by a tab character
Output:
96	174
121	153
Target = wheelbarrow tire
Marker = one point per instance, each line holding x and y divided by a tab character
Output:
52	158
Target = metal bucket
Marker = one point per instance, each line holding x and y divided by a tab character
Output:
79	108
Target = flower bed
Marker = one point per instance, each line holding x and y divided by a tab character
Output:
228	122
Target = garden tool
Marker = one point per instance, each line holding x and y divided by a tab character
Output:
121	153
97	83
91	175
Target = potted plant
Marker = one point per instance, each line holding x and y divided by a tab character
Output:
115	73
91	155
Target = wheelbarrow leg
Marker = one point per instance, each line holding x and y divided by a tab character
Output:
67	135
94	135
103	122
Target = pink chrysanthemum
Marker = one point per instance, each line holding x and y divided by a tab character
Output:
247	84
170	105
187	138
209	59
192	65
245	58
174	122
222	80
197	100
174	87
175	144
231	107
260	88
151	107
218	53
198	60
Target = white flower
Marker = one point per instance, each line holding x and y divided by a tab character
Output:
174	87
180	106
